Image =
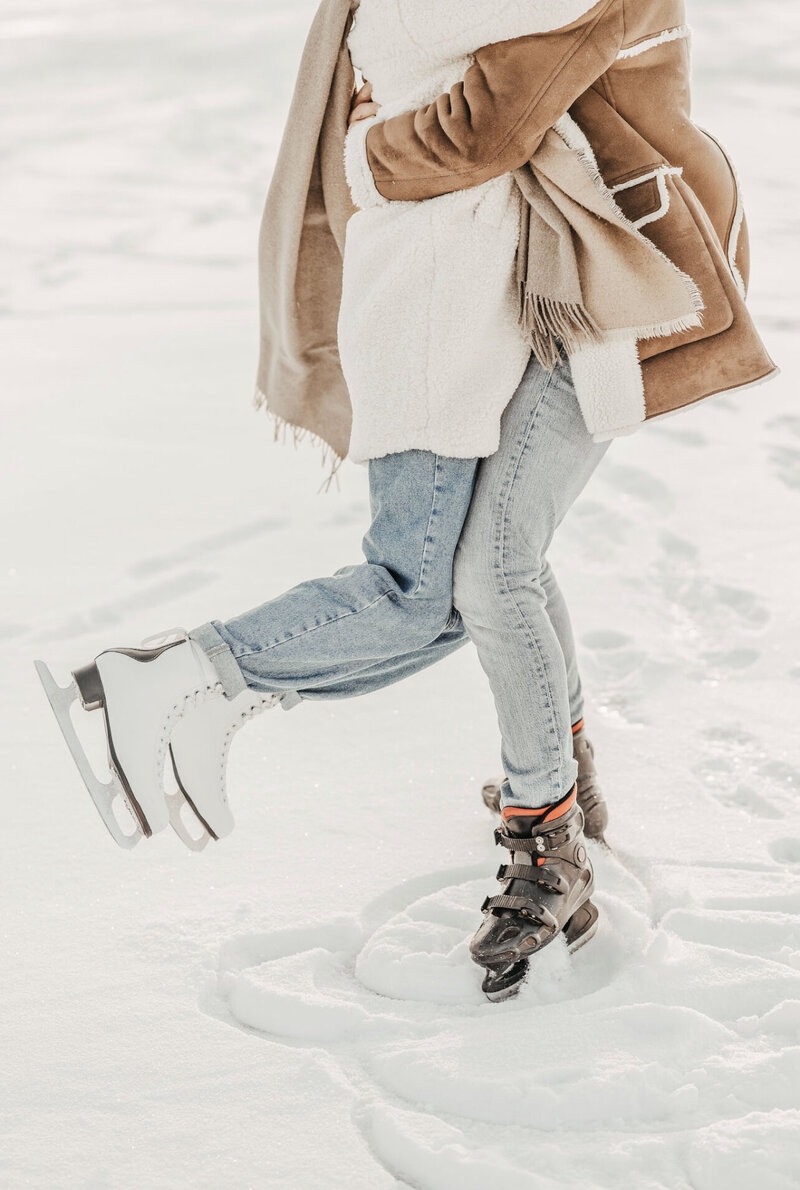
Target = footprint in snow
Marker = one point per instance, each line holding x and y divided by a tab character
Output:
606	639
675	546
784	456
785	851
10	630
201	547
739	796
785	465
745	604
788	425
720	662
596	531
739	772
705	620
682	436
637	485
108	615
620	674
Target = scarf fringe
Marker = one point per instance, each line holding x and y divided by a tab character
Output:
285	430
663	330
548	325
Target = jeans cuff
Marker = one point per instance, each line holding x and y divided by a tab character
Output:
221	657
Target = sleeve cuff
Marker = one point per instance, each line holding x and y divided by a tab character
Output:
363	190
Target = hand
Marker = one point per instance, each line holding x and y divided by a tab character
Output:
362	105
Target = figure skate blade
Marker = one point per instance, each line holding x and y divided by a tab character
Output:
103	794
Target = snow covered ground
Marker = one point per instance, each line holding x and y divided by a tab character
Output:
304	1014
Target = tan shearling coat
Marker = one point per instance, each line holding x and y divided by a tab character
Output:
622	72
619	75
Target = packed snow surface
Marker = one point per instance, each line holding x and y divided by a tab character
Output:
296	1007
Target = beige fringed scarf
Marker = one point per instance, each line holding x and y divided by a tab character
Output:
585	272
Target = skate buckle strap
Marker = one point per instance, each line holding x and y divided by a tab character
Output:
518	872
522	905
547	877
539	843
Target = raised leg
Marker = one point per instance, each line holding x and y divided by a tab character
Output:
366	624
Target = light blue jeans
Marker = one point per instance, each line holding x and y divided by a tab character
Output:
456	550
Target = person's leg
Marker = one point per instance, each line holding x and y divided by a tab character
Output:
326	634
389	670
455	636
556	608
521	495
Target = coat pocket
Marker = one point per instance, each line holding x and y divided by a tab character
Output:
685	236
644	198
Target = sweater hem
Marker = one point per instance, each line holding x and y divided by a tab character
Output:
477	446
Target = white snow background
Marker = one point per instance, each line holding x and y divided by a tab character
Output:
295	1007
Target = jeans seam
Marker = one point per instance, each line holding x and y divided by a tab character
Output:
423	560
501	548
307	631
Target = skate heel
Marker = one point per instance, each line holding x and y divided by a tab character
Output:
90	687
582	926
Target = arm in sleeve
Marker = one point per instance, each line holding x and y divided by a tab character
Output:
494	119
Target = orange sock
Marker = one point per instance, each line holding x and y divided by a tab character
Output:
544	812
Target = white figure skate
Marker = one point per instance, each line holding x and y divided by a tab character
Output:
159	700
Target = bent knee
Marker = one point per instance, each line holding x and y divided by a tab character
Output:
427	619
483	588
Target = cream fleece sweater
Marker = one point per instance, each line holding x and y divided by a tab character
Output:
428	333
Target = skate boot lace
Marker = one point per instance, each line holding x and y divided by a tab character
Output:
257	704
196	697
